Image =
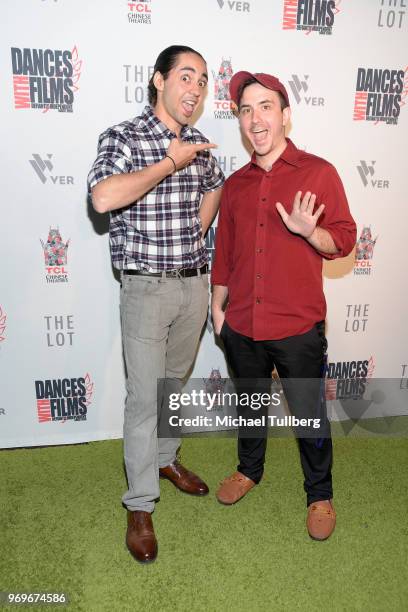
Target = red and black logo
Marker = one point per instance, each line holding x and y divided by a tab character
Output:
310	15
45	78
364	252
380	93
140	12
55	257
223	105
63	399
348	379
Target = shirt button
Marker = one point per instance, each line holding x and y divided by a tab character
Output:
259	250
258	300
259	276
261	225
263	199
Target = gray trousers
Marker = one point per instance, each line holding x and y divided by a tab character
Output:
161	324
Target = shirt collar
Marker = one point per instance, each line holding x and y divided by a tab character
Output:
291	155
154	124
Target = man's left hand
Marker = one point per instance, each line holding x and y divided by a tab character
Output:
301	220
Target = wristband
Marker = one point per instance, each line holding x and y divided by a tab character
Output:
174	163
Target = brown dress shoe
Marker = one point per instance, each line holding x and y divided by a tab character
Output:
321	519
233	488
140	538
183	479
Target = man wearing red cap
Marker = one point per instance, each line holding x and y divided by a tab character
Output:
280	215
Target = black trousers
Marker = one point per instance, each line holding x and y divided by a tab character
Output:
295	357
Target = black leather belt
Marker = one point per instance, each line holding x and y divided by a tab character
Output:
183	272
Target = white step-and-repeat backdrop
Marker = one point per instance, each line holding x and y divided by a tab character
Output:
70	69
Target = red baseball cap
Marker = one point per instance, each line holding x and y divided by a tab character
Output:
267	80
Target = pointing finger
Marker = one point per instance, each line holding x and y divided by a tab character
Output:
205	145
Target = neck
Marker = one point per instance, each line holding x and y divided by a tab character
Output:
165	118
266	161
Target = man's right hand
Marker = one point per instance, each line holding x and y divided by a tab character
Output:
218	317
183	153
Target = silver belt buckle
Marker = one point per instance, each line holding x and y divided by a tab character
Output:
172	273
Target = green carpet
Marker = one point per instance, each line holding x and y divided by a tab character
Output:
63	528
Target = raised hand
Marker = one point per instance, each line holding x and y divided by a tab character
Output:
301	220
183	153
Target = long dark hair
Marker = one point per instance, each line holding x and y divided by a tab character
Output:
164	63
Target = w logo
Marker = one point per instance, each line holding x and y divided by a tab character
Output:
41	165
365	170
297	86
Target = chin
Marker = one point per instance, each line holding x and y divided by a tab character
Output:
263	151
183	119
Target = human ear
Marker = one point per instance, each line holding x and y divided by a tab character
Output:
286	113
158	81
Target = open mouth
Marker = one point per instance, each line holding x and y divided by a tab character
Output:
259	135
189	107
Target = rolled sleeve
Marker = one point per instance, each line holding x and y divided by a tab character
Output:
214	177
337	219
114	157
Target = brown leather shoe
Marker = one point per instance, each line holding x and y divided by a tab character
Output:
140	538
183	479
321	519
233	488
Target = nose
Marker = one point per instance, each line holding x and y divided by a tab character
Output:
195	89
255	114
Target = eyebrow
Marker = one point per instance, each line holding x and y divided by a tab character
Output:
241	106
204	74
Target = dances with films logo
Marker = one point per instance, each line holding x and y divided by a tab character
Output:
63	399
55	257
222	101
45	78
364	252
380	93
348	379
310	15
140	12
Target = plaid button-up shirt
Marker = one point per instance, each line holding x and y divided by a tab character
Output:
161	230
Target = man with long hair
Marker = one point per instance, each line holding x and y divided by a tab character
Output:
156	176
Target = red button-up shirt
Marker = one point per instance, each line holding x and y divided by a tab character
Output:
274	277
